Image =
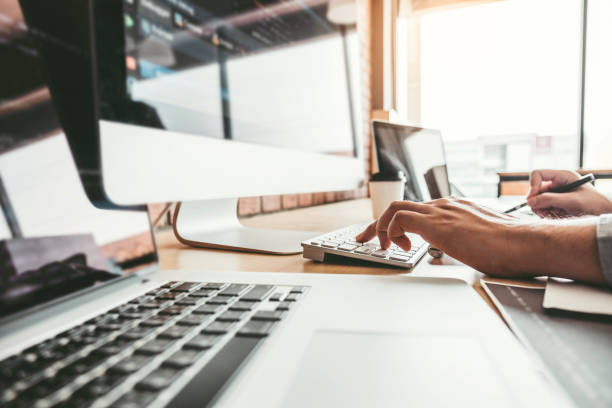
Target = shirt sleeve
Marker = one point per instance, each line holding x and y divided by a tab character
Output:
604	244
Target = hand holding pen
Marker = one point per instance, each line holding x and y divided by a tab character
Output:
547	188
583	200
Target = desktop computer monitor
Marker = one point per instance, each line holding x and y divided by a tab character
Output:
207	101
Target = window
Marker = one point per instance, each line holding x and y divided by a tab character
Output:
502	82
598	86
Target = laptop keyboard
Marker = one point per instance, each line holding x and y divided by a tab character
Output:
342	242
175	345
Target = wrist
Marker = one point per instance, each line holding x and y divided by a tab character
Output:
513	250
528	246
564	250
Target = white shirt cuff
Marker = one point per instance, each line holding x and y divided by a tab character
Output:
604	244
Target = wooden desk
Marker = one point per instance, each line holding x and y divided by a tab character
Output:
323	218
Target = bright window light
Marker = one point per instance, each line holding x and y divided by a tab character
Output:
502	82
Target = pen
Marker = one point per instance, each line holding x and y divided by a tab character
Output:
561	189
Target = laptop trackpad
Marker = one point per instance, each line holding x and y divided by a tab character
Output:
355	369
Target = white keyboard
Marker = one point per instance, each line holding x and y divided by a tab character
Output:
342	242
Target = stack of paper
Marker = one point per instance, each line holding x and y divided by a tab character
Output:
576	297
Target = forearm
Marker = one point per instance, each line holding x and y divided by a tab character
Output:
564	250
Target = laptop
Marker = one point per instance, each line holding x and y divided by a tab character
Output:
89	319
418	153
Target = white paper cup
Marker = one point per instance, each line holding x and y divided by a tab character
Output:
383	193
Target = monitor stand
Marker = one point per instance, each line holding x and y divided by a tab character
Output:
215	224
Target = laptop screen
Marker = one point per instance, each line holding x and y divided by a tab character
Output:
53	241
418	153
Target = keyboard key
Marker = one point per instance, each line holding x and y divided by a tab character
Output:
49	385
172	310
218	327
189	301
135	399
334	240
214	285
112	348
155	304
365	250
401	258
83	365
77	400
156	346
233	290
131	364
158	379
268	315
206	292
218	300
258	293
297	289
170	284
136	333
156	321
347	247
276	297
201	342
176	332
101	385
284	306
126	316
202	388
231	316
255	328
86	340
171	296
329	244
381	253
242	306
193	320
183	358
292	297
111	326
186	287
206	309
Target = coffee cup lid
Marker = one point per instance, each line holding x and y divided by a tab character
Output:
389	176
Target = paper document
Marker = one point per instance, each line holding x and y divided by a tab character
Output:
576	297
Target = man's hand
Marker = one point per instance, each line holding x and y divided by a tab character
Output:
585	200
492	242
461	229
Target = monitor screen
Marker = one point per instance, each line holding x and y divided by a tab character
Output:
275	72
418	153
53	241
